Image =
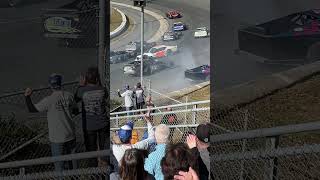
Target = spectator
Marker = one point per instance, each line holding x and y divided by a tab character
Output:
128	95
132	166
178	158
202	169
139	92
169	119
149	105
152	163
203	135
125	134
93	97
58	106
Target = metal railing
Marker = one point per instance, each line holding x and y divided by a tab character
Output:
283	152
26	169
184	118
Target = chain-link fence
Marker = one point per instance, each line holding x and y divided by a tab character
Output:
181	119
270	153
22	131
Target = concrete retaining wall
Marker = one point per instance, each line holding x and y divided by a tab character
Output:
122	27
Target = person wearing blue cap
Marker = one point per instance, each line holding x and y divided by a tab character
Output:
125	134
59	106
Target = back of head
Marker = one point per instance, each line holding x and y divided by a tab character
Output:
203	133
178	158
92	75
138	85
162	133
132	165
55	81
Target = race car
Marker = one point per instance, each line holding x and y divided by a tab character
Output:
120	56
150	66
171	35
136	46
162	51
179	26
198	73
293	38
201	32
173	14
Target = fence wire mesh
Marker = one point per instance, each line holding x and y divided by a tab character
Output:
181	119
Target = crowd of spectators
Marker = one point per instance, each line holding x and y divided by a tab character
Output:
156	157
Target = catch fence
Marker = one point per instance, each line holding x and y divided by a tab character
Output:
181	119
284	152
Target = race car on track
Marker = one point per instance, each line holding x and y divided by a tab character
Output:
201	32
162	51
136	46
198	73
173	14
120	56
150	66
293	38
171	35
179	26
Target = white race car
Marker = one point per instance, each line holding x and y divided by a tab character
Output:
201	32
162	51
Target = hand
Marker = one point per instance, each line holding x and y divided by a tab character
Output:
190	175
28	92
118	90
192	141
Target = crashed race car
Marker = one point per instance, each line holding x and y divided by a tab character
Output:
179	26
73	24
120	56
201	32
293	38
198	73
173	14
150	66
162	51
136	46
171	36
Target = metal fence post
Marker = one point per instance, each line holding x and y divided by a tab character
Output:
101	50
194	114
274	143
22	171
244	143
149	92
185	115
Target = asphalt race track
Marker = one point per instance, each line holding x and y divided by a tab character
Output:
193	52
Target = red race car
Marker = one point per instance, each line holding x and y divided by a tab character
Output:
173	14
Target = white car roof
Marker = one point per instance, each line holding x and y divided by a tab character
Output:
178	23
159	46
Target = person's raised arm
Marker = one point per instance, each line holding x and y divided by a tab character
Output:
30	105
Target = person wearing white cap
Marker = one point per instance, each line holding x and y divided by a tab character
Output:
125	134
152	163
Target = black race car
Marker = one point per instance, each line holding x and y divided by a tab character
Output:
198	73
294	38
120	56
150	66
171	35
73	24
135	46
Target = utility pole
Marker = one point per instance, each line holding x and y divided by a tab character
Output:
142	4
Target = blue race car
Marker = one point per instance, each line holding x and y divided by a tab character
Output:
179	26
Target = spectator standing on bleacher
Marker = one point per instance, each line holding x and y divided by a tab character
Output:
139	93
93	97
128	96
59	106
152	163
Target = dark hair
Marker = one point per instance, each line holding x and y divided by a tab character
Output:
178	158
92	75
132	165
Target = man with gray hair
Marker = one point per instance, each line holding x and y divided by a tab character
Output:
152	163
